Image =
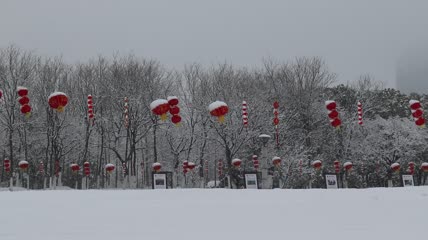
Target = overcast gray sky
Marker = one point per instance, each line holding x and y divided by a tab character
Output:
354	37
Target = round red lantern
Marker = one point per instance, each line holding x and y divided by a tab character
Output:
23	100
176	119
160	107
330	105
6	165
172	100
336	122
74	167
424	167
348	166
22	91
174	110
333	114
185	167
191	165
415	104
218	109
317	164
236	162
23	165
57	101
25	109
276	161
156	166
110	167
395	167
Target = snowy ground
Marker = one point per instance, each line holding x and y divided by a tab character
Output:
398	213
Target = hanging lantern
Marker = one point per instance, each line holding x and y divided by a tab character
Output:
23	165
255	162
276	161
87	168
22	91
25	109
417	113
110	167
160	107
244	114
317	164
337	166
74	167
176	119
348	166
218	109
424	167
395	167
174	110
57	101
411	168
90	109
172	100
333	114
6	165
156	167
185	167
236	162
360	113
24	101
191	166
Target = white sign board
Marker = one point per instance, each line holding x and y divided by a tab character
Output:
159	181
251	181
331	181
408	181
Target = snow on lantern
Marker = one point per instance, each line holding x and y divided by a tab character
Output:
244	113
74	167
417	113
395	167
23	165
6	165
348	166
255	162
87	168
110	167
317	164
218	109
172	100
337	166
24	101
424	167
156	167
333	114
236	162
57	101
191	166
276	161
360	113
22	91
160	107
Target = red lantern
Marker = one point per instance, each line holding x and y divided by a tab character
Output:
110	167
420	122
87	168
330	105
160	107
415	104
74	167
191	165
360	113
156	166
417	113
22	91
276	105
23	100
317	164
57	101
411	168
255	162
244	114
172	100
333	114
174	110
176	119
185	166
90	109
337	166
348	166
424	167
25	109
218	109
395	167
236	162
6	165
275	121
276	161
23	165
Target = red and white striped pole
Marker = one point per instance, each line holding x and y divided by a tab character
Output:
360	113
244	114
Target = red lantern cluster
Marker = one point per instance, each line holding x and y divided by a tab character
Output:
90	110
317	164
41	168
348	166
87	168
337	167
23	165
6	165
411	168
417	113
218	109
276	161
75	168
255	162
236	162
395	167
174	110
24	101
244	114
191	166
424	167
333	114
185	167
160	107
126	112
275	113
58	101
360	113
220	167
156	167
110	168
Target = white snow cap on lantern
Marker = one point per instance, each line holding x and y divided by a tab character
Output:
236	160
329	101
156	164
411	102
347	164
255	156
109	165
56	94
275	158
264	136
216	105
425	164
21	88
394	165
73	164
190	164
171	98
316	162
157	103
22	162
